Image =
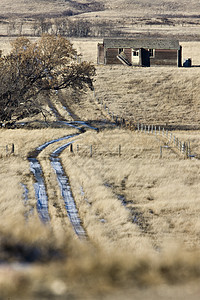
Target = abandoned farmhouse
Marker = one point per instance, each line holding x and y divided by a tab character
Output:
140	52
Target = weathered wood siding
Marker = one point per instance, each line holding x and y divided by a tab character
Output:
111	55
165	57
128	53
162	57
100	56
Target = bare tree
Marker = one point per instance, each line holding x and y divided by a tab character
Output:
32	68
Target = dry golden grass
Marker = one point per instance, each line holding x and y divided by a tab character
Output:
157	95
20	7
153	241
126	253
158	191
161	198
157	19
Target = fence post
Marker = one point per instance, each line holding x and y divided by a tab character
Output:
189	151
13	149
152	129
148	128
90	150
77	147
119	150
170	137
183	147
155	130
160	151
71	148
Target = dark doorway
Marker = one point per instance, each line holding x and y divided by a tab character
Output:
145	58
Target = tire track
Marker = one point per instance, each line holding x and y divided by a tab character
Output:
66	192
39	185
63	181
40	190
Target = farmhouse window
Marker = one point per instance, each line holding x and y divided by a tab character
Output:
135	53
121	50
151	52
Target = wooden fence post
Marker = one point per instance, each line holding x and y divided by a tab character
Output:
13	149
71	148
160	151
90	150
183	147
119	150
77	148
170	137
186	150
189	152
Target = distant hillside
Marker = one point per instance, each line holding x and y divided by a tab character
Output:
51	8
134	7
104	18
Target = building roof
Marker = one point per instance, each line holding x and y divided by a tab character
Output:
141	43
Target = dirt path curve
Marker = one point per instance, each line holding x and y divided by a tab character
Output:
63	181
39	185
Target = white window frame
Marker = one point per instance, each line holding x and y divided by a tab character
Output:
135	52
151	52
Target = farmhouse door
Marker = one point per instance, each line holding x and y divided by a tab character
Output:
135	57
145	58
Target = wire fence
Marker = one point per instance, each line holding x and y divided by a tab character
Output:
93	150
171	141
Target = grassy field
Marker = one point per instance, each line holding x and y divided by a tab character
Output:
143	7
140	211
160	96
